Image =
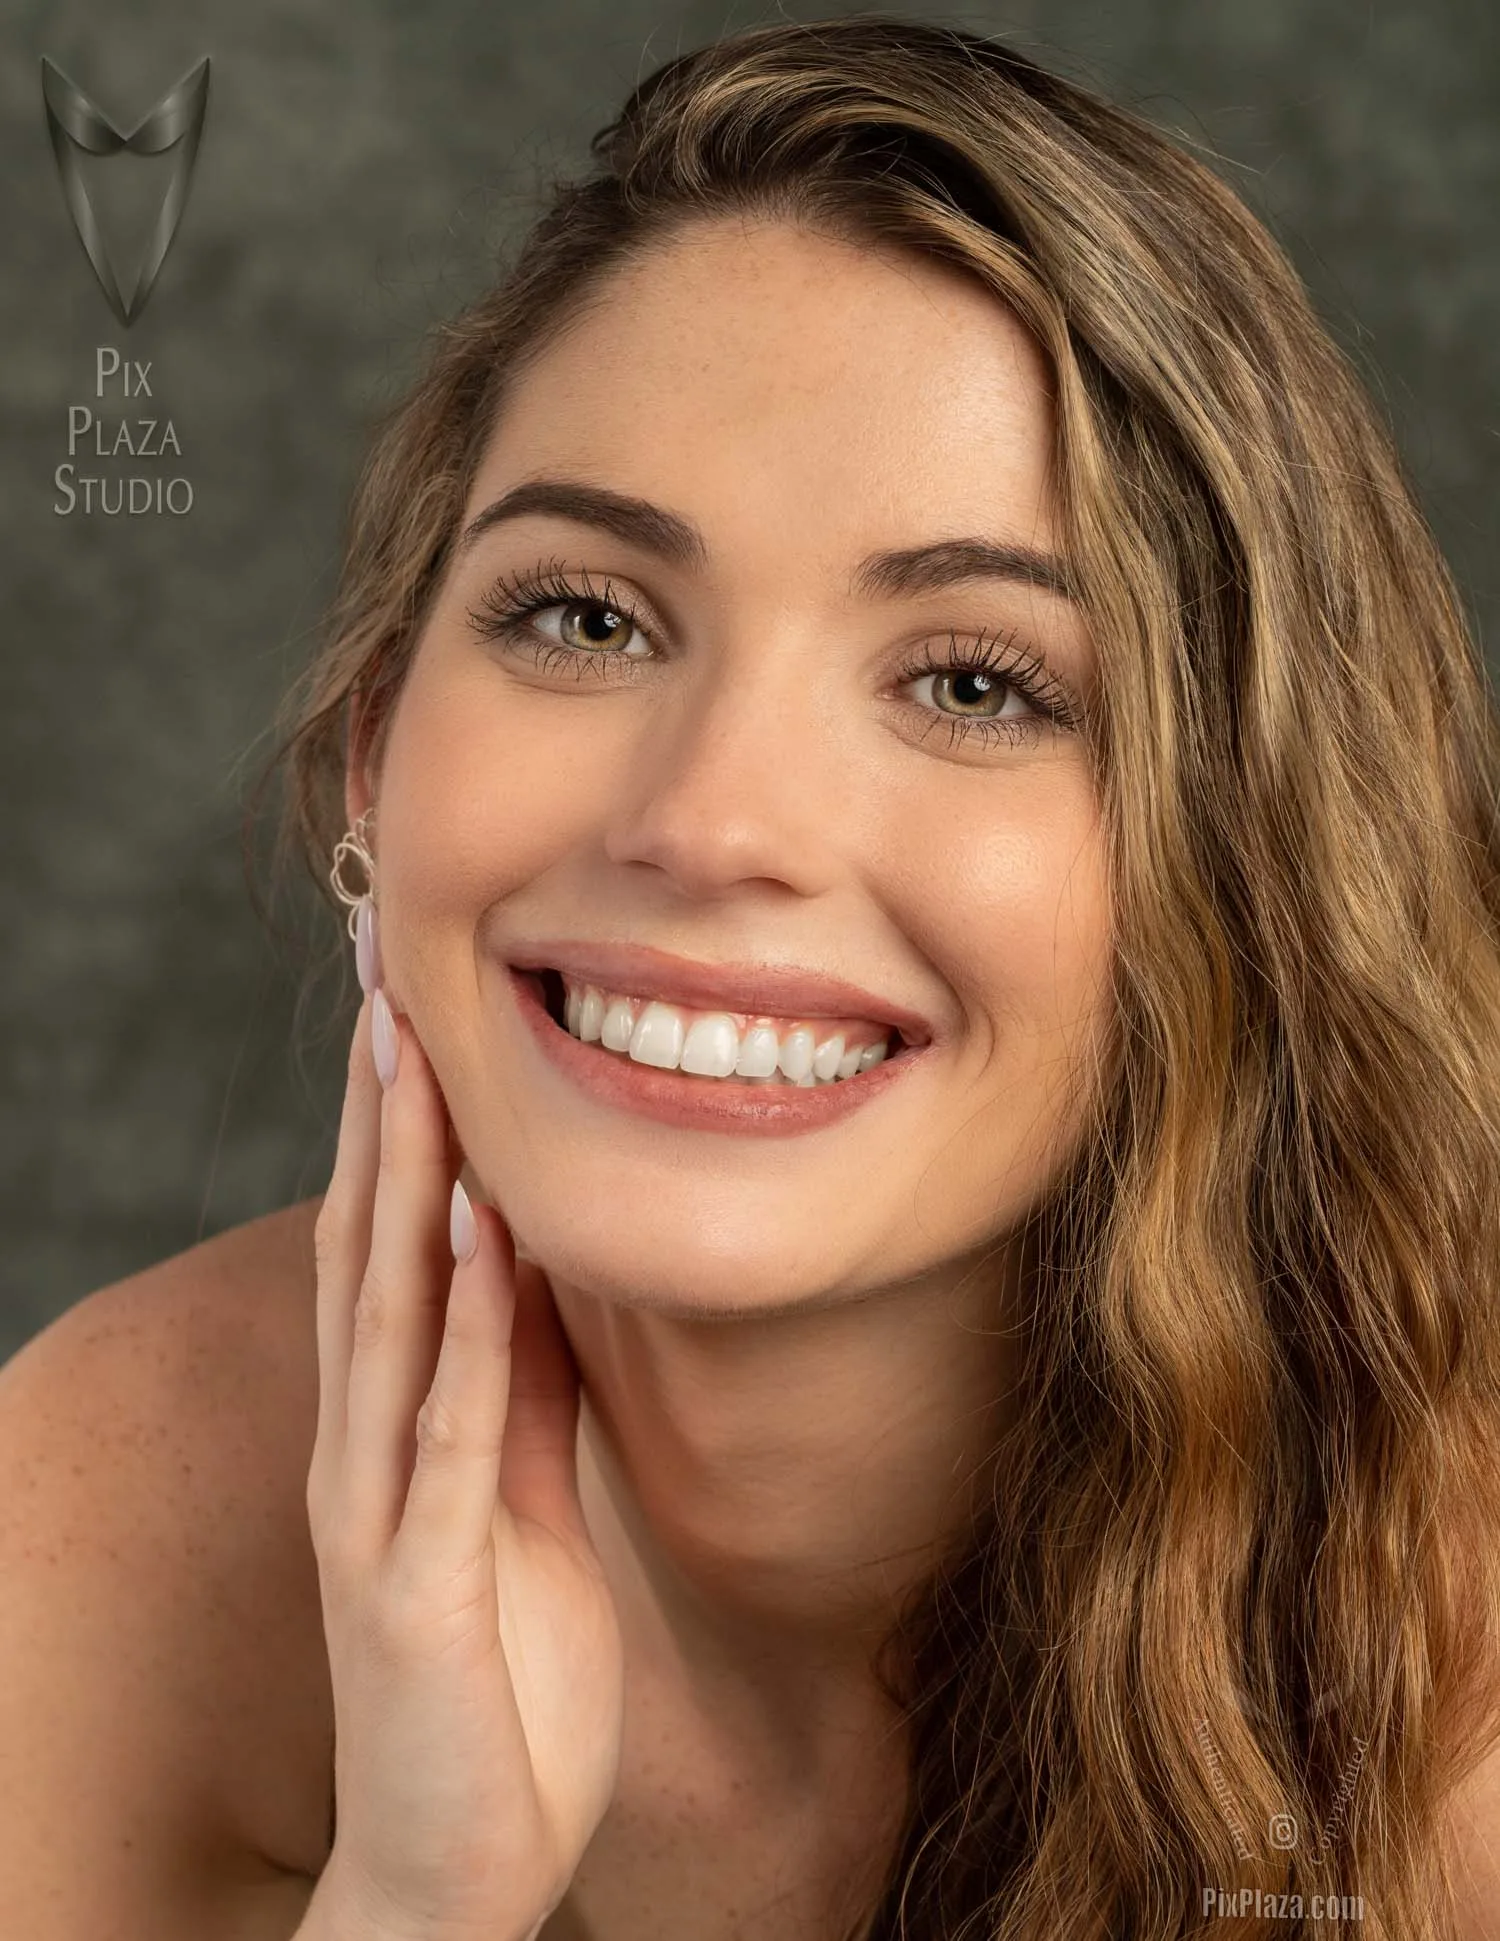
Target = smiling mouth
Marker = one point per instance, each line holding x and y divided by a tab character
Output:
555	999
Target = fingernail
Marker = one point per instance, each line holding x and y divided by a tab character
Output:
462	1230
367	945
386	1043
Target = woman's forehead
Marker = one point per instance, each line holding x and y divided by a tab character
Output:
910	396
784	315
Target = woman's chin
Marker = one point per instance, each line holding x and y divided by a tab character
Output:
680	1277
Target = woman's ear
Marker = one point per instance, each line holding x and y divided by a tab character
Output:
359	783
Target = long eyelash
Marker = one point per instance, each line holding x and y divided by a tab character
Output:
505	605
998	654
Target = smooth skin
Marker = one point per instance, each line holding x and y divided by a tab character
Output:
474	1653
796	1354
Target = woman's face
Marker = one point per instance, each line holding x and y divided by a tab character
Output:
759	783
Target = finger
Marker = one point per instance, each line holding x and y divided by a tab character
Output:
539	1470
450	1506
341	1241
400	1307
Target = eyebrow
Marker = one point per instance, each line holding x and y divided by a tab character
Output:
904	570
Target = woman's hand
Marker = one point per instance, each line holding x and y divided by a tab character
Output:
475	1654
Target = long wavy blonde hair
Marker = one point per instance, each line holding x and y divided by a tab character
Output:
1233	1622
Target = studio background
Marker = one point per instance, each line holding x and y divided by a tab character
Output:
358	165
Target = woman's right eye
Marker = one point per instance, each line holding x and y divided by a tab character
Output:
508	610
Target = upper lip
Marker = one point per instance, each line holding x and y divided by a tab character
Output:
769	990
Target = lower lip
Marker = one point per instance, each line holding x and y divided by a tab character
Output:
702	1104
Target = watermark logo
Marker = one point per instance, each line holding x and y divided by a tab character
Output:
1281	1829
1282	1836
1226	1805
145	435
1236	1903
76	123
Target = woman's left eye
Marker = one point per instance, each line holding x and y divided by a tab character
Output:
594	629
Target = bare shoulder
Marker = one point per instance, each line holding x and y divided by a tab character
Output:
258	1279
159	1434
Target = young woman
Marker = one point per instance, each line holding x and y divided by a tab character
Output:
893	597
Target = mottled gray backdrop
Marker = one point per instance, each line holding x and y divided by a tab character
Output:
359	158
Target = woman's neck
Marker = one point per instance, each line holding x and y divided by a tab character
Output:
765	1491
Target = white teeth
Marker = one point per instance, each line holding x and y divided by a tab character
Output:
712	1047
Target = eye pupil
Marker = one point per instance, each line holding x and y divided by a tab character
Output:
986	683
591	609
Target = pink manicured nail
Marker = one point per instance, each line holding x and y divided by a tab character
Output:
367	945
462	1230
384	1039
